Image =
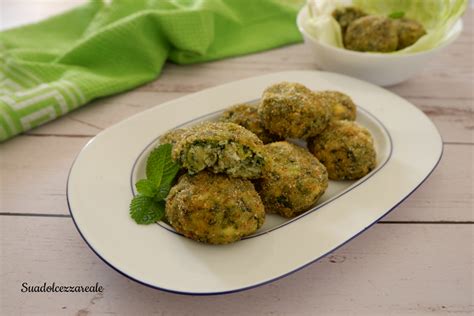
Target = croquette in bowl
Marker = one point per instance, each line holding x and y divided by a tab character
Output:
372	33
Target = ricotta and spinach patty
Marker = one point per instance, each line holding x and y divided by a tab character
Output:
409	31
342	106
294	182
214	208
290	110
173	136
246	115
345	16
346	149
221	148
372	33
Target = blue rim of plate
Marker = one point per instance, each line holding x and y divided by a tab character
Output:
254	285
289	221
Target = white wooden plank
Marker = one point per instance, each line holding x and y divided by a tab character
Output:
34	173
416	269
453	118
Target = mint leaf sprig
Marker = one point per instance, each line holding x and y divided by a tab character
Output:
148	206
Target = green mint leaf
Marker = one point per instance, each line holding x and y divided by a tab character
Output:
146	187
396	15
145	210
160	165
149	205
162	192
155	164
170	170
161	169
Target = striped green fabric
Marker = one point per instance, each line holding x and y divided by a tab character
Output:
50	68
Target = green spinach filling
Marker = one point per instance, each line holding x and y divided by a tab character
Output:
225	156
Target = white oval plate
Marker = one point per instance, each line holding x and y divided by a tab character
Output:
100	187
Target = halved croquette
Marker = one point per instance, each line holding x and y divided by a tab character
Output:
221	148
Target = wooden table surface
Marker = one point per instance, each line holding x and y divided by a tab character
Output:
417	260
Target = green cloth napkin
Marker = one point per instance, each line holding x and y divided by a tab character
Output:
50	68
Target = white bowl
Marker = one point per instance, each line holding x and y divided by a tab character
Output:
381	69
